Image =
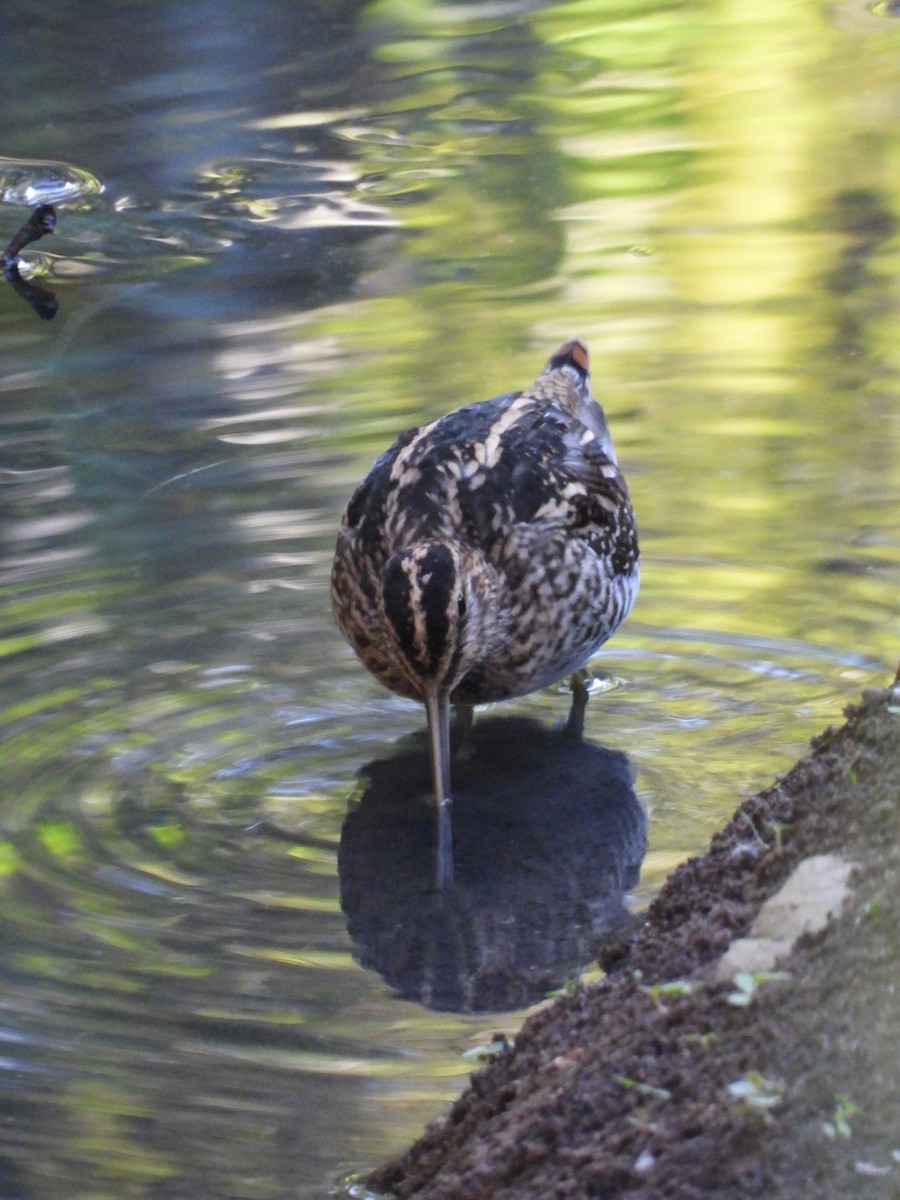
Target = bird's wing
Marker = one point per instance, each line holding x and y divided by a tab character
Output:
539	464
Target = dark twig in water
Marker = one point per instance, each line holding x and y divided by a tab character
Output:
41	222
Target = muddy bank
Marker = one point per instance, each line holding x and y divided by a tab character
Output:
785	1087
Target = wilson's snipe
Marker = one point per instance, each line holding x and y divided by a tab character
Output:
489	553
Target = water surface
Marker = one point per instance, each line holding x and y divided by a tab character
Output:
318	224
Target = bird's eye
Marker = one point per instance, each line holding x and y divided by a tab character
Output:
461	605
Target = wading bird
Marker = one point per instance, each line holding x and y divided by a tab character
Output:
489	553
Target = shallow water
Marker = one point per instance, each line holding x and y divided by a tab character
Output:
319	224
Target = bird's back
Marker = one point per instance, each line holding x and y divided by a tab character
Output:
527	485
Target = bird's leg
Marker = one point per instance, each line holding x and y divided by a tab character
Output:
437	708
463	716
574	727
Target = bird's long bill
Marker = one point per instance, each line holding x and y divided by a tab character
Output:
437	708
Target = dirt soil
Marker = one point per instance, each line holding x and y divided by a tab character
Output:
615	1090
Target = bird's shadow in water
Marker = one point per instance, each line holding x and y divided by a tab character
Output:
548	836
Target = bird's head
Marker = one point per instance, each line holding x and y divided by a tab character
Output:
567	378
432	606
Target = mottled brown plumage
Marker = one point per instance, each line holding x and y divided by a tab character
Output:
489	553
